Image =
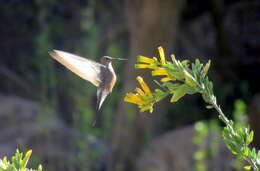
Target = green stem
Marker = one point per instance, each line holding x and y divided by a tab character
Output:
223	117
227	122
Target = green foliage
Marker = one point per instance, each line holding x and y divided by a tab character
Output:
181	78
207	145
201	154
18	162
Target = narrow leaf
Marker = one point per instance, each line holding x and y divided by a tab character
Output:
178	93
250	138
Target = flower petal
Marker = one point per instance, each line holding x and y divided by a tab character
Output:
161	54
166	79
145	59
133	98
142	66
143	85
139	91
160	71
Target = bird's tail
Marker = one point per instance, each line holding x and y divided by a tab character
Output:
101	96
96	118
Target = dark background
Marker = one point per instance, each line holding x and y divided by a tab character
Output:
47	108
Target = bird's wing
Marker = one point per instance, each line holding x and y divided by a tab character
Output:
85	68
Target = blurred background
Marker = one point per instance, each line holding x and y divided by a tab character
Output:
47	108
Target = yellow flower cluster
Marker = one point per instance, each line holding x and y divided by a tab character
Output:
178	79
170	71
143	97
153	63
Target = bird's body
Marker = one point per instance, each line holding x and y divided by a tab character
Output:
108	80
108	77
101	74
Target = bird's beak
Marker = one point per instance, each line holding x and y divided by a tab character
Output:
120	59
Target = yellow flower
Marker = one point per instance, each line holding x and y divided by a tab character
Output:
161	54
139	91
147	62
160	71
166	79
163	71
143	98
133	98
142	66
144	85
151	63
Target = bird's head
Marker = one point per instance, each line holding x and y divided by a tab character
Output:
107	59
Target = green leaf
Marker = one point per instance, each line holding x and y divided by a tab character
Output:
246	151
206	67
159	94
197	63
178	93
231	144
16	160
189	80
5	161
172	87
258	158
209	107
190	90
173	71
147	107
179	90
253	153
185	63
250	138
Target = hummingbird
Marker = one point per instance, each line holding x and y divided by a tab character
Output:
100	74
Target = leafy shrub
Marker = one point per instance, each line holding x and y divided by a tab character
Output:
18	162
181	78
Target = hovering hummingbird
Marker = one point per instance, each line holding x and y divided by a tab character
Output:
101	74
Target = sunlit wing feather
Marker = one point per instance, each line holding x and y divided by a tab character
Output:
85	68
